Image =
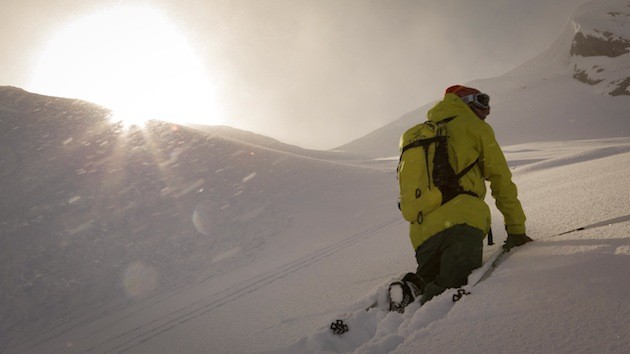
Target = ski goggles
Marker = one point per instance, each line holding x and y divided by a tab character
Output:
479	100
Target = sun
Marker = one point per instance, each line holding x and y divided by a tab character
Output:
130	59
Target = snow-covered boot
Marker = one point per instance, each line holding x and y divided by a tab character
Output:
404	292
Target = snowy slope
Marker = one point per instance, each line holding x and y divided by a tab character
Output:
560	294
95	218
576	89
171	239
329	240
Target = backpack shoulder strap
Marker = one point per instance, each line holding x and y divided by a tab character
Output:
467	169
418	143
426	142
446	120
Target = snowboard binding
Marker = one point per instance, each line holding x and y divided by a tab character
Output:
339	327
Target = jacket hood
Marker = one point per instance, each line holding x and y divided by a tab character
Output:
450	106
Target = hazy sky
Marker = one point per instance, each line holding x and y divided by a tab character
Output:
312	73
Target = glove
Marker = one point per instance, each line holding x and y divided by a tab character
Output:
515	240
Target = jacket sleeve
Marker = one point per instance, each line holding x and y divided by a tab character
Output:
496	171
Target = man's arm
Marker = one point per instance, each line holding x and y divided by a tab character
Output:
504	191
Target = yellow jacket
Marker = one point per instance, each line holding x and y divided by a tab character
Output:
471	138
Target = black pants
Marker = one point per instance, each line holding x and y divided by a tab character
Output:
447	258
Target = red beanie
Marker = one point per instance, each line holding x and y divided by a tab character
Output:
461	91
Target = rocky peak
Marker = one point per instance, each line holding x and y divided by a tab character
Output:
606	45
601	46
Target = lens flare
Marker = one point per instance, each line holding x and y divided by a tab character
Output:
139	279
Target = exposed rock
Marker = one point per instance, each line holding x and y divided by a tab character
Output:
582	76
600	46
590	46
622	88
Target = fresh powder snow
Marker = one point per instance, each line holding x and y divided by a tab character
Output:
172	239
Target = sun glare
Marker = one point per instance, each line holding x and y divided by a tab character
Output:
132	60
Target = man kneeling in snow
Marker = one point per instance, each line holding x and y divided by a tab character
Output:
448	237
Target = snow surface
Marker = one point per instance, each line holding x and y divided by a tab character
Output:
169	239
558	294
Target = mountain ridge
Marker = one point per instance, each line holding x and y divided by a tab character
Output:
539	100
